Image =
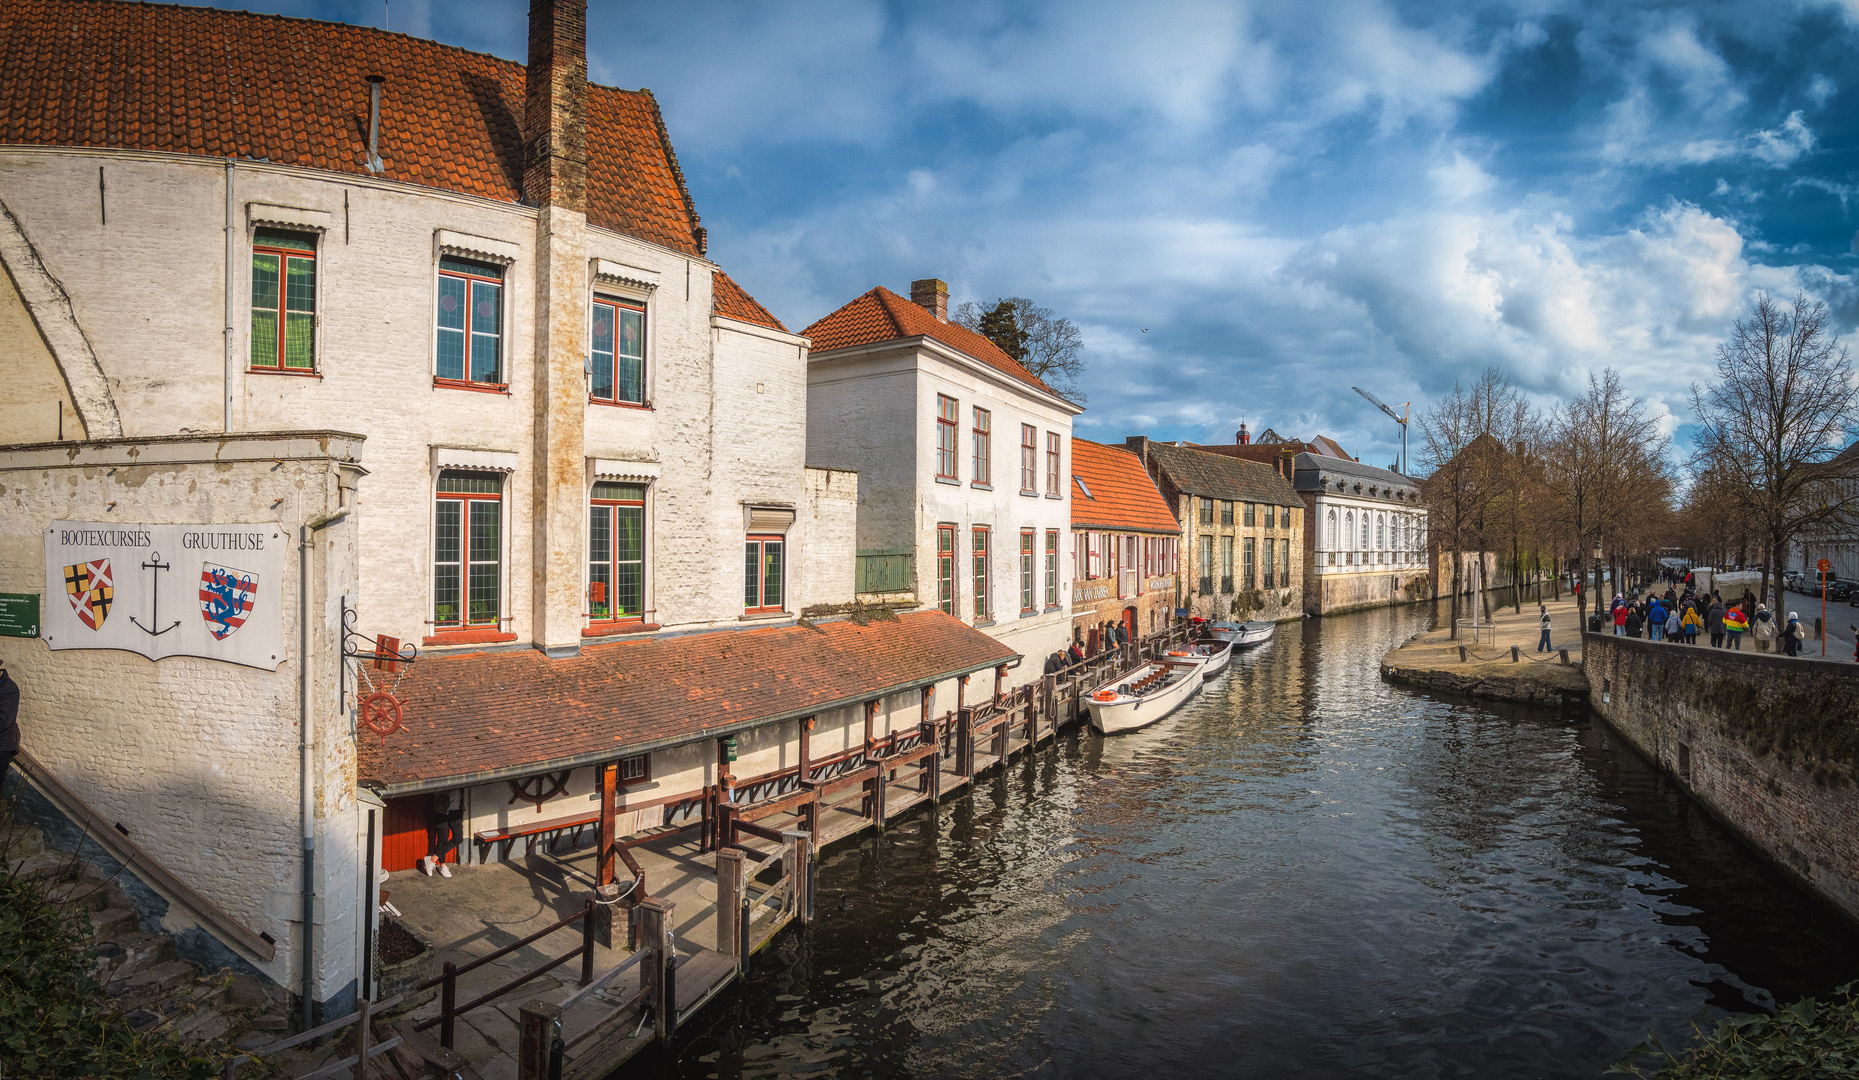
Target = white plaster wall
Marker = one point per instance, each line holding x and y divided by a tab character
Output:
197	758
829	521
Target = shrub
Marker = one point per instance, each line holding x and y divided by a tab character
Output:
1807	1040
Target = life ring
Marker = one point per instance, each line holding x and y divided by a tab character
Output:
1179	652
1104	695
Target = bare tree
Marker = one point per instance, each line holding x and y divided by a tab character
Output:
1468	442
1774	422
1605	464
1044	344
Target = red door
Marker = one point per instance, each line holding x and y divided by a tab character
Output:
1129	622
404	837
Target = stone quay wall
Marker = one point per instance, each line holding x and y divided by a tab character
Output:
1769	745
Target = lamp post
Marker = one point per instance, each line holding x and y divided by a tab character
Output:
1597	577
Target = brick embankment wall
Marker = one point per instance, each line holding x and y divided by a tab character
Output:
1769	745
1526	684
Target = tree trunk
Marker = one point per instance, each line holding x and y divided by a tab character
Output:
1453	612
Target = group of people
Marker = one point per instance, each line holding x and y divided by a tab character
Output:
1108	636
1683	618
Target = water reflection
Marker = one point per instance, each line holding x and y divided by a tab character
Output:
1304	872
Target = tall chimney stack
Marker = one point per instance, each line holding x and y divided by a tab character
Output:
555	106
932	294
1243	438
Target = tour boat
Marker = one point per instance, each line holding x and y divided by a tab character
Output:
1212	655
1145	695
1243	635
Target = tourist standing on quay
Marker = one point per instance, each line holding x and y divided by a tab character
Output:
1735	626
1692	623
1620	615
1713	621
1674	626
1763	628
1655	621
1542	611
1634	621
1793	634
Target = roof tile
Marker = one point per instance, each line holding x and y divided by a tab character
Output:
733	303
1122	496
882	315
1197	472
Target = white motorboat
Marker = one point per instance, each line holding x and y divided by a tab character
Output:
1212	654
1243	635
1144	696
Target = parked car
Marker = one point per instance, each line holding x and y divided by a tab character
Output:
1838	589
1792	579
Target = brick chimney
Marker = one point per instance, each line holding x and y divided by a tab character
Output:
933	295
1243	438
555	106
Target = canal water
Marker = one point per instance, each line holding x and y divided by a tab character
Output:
1305	872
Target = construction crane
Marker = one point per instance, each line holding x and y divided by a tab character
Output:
1401	420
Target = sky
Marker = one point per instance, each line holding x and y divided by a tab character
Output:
1250	208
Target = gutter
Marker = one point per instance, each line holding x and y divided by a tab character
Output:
306	745
232	258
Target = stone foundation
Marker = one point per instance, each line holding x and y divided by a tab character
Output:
1769	745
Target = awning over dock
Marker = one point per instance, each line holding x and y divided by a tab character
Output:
490	715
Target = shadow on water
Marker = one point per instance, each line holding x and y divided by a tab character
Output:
1303	872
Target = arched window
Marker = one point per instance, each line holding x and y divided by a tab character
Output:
1381	532
1349	529
1365	531
1330	533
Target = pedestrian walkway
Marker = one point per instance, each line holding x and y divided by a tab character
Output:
1841	619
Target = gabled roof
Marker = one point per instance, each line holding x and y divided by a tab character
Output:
733	303
1214	476
476	716
882	315
230	84
1117	492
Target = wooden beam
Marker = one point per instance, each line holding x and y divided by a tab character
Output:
609	785
871	715
1000	677
729	890
806	748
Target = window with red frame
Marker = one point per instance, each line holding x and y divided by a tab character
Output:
616	553
469	333
1052	568
982	595
946	413
945	568
616	352
467	550
1029	460
1027	579
283	301
763	573
984	450
1052	463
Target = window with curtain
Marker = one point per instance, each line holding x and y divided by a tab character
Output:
616	352
283	302
616	553
467	550
1250	555
980	555
945	568
984	447
1052	568
1028	595
1226	563
469	331
1029	460
946	412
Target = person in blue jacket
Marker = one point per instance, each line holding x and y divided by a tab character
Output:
1655	621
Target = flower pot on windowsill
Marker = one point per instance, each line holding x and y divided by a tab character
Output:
405	960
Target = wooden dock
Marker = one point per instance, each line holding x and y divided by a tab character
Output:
730	868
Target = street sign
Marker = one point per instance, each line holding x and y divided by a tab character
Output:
1825	566
19	614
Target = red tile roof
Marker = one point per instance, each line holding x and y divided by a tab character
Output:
882	315
1122	496
733	303
474	714
220	84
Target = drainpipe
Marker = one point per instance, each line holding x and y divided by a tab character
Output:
307	747
232	260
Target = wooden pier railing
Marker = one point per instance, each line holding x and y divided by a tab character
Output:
447	979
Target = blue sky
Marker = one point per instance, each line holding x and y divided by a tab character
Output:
1249	208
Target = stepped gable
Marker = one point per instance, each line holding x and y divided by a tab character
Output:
733	303
230	84
1197	472
882	315
483	712
1121	495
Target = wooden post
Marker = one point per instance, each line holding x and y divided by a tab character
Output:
448	1004
362	1032
1461	654
704	830
541	1025
1048	704
961	692
587	940
725	825
1514	658
879	794
729	893
1000	676
1564	654
800	874
806	750
654	914
871	716
609	785
965	742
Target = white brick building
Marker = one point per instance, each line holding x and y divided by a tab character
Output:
962	461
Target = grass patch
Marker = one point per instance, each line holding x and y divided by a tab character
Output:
1808	1040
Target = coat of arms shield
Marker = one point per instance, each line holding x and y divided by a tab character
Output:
226	598
91	590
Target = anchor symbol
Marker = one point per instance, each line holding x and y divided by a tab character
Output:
155	566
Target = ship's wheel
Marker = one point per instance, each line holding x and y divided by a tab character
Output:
540	788
381	713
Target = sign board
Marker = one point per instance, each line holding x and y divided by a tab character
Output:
19	614
214	591
1825	566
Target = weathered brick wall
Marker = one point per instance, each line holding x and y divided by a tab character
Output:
1334	590
1769	745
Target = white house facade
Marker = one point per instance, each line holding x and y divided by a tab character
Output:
1367	544
962	462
